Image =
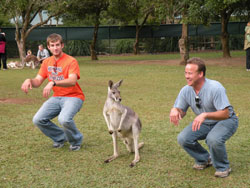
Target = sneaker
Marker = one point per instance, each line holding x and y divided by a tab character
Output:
203	166
58	145
74	148
222	174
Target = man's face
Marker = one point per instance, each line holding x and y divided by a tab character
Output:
56	48
192	75
40	48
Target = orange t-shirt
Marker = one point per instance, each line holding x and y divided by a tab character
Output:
60	70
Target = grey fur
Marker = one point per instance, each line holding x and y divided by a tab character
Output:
123	122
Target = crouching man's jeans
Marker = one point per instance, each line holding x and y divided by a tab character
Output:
215	135
65	108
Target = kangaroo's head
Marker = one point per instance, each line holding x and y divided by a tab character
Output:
113	92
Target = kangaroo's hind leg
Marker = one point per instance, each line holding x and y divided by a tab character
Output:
137	146
129	142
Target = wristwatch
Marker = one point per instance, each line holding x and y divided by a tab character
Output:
54	83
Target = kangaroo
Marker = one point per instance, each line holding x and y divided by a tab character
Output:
32	61
123	122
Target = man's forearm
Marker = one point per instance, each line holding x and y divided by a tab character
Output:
35	82
218	115
65	83
71	81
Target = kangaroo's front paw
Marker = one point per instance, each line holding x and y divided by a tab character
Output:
119	130
111	132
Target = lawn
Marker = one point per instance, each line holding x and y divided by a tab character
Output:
27	158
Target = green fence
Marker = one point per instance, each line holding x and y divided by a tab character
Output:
116	32
116	39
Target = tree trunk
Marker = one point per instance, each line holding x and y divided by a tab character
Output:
93	43
139	27
183	45
21	44
225	35
136	44
21	50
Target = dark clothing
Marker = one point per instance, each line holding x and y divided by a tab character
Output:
248	58
3	56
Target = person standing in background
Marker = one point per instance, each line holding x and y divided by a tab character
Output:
3	56
247	45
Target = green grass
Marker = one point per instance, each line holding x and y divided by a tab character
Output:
28	160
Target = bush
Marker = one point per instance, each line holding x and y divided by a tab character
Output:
77	48
124	46
236	42
158	45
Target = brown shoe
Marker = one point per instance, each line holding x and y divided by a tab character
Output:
222	174
203	166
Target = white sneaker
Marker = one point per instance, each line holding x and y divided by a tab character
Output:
222	174
74	148
203	166
58	145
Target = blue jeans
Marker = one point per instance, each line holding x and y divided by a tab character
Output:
65	108
215	135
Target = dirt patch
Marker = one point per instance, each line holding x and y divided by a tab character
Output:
234	61
16	101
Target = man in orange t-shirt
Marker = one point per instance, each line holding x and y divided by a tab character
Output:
62	72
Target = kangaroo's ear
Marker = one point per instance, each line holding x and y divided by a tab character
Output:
118	84
110	84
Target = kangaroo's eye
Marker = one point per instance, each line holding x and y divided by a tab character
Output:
113	93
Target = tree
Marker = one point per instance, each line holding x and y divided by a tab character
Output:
4	20
203	12
90	11
23	13
222	10
171	10
192	12
168	11
132	11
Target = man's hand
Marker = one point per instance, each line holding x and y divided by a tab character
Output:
26	85
47	89
175	115
198	121
218	115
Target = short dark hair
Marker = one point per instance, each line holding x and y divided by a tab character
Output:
199	62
